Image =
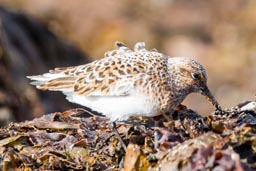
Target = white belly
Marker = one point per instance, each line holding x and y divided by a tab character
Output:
118	107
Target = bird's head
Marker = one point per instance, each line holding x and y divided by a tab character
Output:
192	77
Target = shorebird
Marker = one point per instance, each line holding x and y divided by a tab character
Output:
129	83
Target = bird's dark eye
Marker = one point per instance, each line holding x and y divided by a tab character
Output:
195	75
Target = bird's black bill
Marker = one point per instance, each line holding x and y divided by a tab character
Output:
207	93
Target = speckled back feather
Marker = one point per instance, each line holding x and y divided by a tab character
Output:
119	72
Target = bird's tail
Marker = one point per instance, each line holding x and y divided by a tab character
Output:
53	81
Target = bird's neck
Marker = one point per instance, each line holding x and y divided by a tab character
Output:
177	84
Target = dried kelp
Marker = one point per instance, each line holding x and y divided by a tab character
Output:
188	141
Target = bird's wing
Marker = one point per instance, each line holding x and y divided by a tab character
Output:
110	77
115	75
106	77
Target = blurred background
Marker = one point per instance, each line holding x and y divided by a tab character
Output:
37	35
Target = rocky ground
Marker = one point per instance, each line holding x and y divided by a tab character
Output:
220	35
188	141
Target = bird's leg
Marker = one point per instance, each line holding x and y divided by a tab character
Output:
156	124
168	118
157	121
113	126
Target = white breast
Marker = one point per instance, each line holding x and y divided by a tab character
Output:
118	107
